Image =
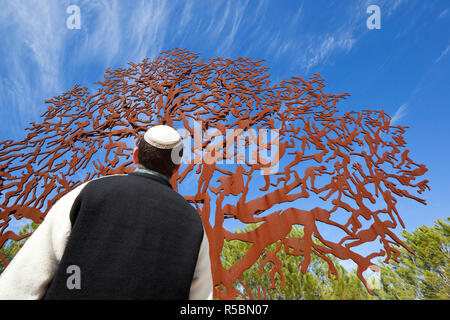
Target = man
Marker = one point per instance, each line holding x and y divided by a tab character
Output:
125	236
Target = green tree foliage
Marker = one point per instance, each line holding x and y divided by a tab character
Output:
425	274
11	248
313	285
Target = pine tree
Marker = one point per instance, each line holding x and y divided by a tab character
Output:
314	285
425	274
11	248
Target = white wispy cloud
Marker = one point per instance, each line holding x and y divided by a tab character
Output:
33	44
238	15
344	35
102	33
186	15
278	45
443	54
217	24
393	5
256	18
306	49
116	33
400	113
319	51
340	38
147	29
296	18
39	51
443	14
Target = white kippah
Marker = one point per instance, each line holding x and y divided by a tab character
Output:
163	137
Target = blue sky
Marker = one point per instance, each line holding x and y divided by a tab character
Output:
402	68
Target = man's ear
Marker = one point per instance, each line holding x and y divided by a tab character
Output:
135	156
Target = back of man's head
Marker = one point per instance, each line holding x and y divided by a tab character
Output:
160	150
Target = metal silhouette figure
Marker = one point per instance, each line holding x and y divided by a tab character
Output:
339	169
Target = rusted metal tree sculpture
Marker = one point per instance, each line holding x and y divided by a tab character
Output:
355	164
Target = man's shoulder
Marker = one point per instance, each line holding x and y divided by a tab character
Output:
133	183
113	178
130	182
105	183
